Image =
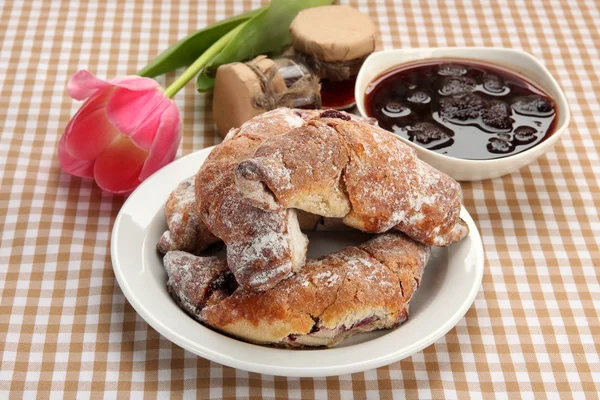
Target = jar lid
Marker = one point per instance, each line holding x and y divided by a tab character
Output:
333	33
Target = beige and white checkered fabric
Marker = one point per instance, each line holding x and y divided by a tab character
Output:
66	329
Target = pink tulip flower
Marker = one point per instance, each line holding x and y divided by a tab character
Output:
125	131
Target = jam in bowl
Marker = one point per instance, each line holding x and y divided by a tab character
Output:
474	113
461	108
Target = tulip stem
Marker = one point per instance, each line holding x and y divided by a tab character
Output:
201	61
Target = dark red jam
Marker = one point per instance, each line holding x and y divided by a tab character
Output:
461	108
338	95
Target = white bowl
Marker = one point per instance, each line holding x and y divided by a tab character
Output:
449	285
514	60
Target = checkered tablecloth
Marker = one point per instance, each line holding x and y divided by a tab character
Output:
66	329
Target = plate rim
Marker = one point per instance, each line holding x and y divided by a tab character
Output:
296	371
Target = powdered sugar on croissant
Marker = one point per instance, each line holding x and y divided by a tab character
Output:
187	232
263	247
337	167
357	289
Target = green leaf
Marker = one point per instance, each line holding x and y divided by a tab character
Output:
204	83
188	49
266	32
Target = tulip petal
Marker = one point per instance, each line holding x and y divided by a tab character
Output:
135	83
89	132
73	166
118	168
130	110
165	145
83	84
144	135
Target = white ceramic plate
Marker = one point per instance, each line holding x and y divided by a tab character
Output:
451	281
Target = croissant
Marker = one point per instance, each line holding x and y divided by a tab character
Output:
187	231
338	167
357	289
196	282
263	247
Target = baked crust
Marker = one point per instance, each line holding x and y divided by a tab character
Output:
263	247
353	290
196	282
187	231
344	168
